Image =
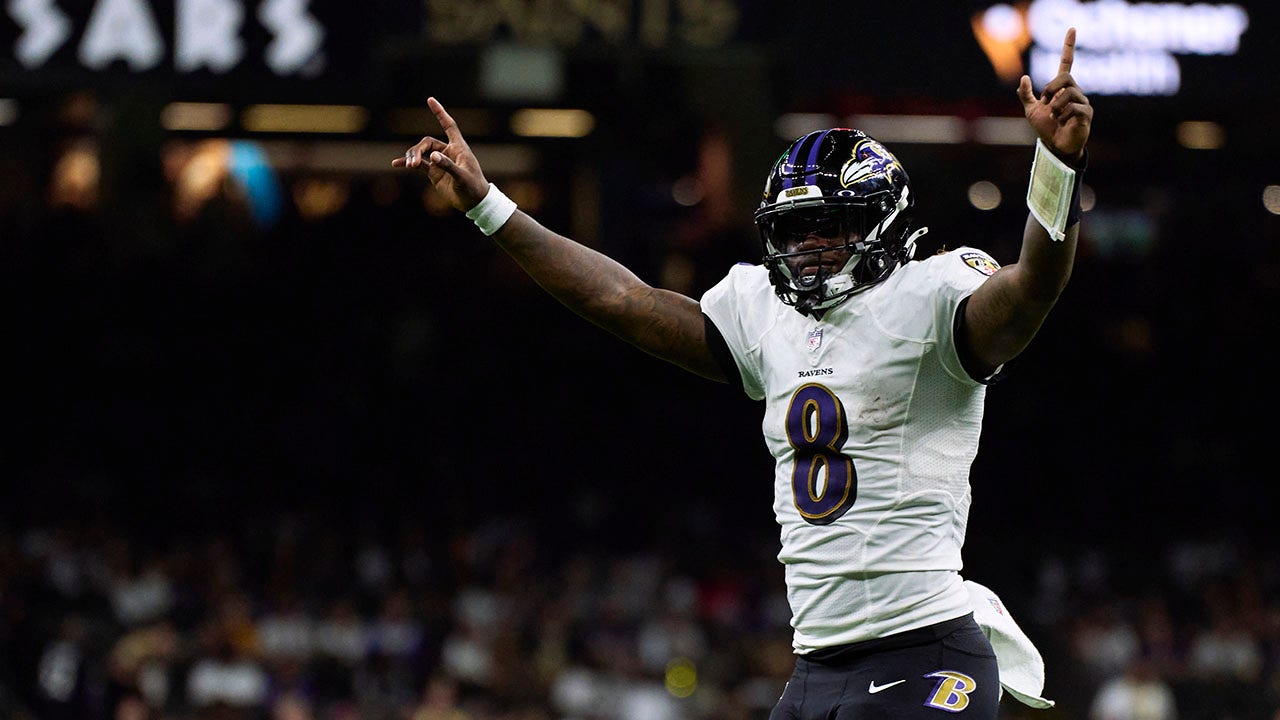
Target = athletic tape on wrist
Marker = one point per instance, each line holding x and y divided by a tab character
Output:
1053	194
491	213
1076	210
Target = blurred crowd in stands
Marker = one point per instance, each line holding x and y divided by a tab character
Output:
303	619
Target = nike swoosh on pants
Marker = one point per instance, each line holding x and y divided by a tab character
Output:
873	688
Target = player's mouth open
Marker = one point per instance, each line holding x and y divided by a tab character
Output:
812	268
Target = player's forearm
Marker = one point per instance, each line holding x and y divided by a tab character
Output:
1027	290
603	291
588	282
1044	264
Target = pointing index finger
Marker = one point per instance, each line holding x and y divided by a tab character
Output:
1068	52
451	130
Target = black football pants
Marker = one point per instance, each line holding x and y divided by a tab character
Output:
945	671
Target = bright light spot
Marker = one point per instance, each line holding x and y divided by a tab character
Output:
76	177
681	678
304	118
1271	199
195	116
1002	23
199	172
911	128
540	122
984	195
1088	198
1003	131
317	199
687	191
1201	135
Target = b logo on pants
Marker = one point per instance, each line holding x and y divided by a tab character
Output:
952	692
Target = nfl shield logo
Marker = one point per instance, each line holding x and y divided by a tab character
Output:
815	339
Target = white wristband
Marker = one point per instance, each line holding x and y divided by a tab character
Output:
491	213
1049	194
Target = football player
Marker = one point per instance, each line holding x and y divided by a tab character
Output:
873	369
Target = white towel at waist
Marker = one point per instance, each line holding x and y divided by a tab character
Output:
1021	667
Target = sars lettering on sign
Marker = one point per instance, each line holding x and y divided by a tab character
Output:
206	35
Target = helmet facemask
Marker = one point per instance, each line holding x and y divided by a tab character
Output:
820	253
834	219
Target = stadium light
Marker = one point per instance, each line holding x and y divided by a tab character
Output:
1003	131
924	129
211	117
1196	135
304	118
984	195
937	129
1271	199
541	122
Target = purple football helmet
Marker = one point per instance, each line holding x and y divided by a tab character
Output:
837	183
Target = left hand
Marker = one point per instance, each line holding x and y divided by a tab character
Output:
451	166
1062	115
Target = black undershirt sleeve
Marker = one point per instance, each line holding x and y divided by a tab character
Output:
720	351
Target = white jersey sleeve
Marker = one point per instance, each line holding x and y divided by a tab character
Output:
742	306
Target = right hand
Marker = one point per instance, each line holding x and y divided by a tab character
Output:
451	167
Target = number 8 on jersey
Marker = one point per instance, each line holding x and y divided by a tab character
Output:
817	428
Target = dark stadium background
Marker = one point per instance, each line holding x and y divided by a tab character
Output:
383	372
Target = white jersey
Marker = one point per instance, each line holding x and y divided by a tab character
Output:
874	425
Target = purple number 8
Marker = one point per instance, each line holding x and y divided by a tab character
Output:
817	429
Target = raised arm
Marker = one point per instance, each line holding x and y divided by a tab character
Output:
663	323
1004	314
